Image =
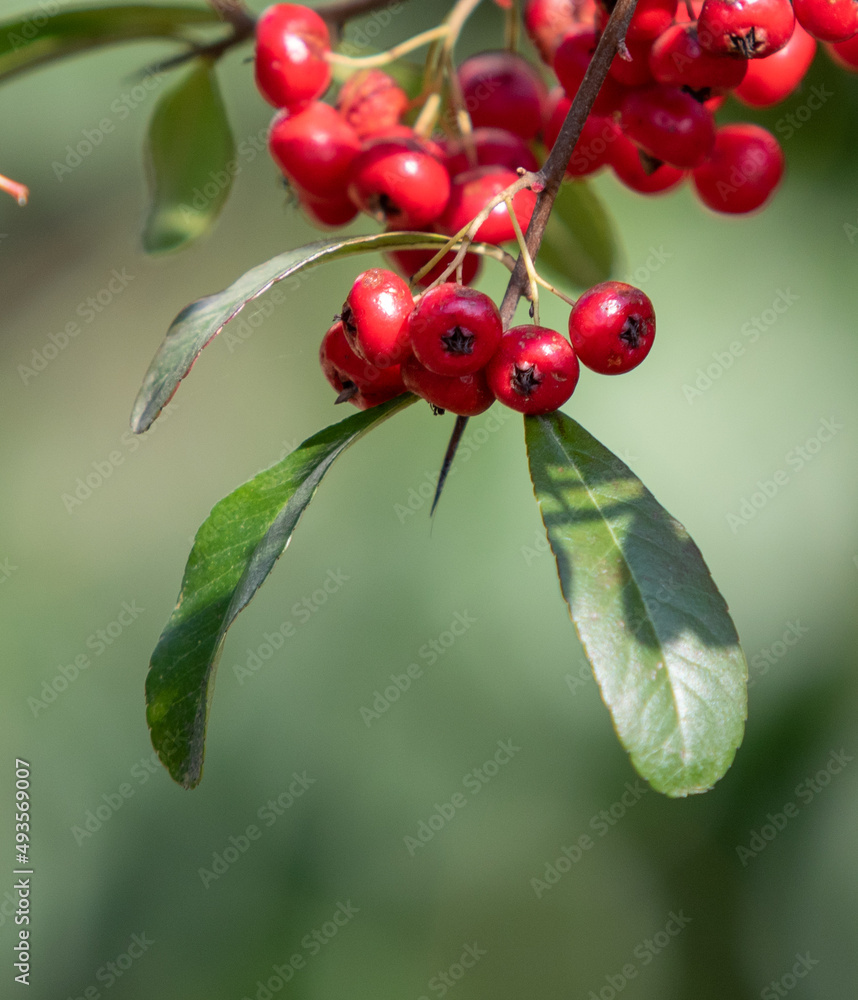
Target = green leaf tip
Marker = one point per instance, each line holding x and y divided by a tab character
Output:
653	625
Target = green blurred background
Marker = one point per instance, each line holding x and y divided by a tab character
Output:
608	923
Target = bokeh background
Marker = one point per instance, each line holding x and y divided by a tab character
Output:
675	898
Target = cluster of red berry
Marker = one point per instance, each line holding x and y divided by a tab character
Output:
448	346
653	120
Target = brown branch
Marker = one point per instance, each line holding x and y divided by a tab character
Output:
554	168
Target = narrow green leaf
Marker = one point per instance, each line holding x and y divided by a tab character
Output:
201	321
654	627
234	551
579	246
43	36
189	152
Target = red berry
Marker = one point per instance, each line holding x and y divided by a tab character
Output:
678	59
409	262
329	212
612	327
454	330
770	80
593	148
315	149
374	317
548	22
493	147
465	395
534	370
650	19
640	172
291	43
570	64
371	102
845	54
743	171
828	20
669	124
362	384
749	28
398	182
502	90
635	71
471	192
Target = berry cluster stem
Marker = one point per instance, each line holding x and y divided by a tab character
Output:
554	168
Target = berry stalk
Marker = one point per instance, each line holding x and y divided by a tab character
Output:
554	168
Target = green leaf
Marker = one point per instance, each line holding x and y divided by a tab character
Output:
234	551
654	626
579	246
201	321
189	153
27	42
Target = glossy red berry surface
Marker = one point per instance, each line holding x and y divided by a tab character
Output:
769	81
491	147
678	58
471	192
502	90
409	262
593	148
828	20
291	43
845	54
669	124
749	28
315	149
570	64
398	182
634	71
639	172
465	395
330	213
612	327
356	381
548	22
745	168
371	102
650	19
534	370
375	316
454	330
